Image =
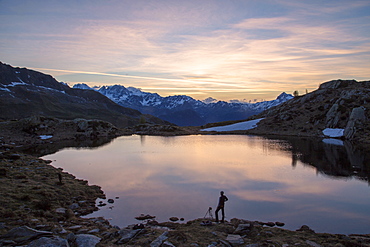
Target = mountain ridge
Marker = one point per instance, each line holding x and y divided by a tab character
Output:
25	93
184	110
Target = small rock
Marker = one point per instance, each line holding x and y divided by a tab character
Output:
61	210
74	227
280	223
226	244
167	244
138	226
144	217
312	243
110	201
270	224
127	235
234	239
94	231
174	219
243	228
158	241
305	228
74	206
82	231
71	238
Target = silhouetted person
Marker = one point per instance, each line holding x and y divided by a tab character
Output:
221	206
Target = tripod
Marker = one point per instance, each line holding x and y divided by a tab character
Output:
209	212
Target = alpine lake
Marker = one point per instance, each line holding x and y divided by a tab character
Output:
320	183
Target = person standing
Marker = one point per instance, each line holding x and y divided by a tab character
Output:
221	206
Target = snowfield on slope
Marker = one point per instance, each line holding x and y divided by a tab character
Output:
247	125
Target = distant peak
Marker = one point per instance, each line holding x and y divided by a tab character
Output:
209	100
284	95
82	86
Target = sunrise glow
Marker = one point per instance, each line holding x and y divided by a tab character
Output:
220	49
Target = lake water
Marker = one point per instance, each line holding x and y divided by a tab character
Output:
295	181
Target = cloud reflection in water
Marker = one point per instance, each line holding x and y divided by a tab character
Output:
181	176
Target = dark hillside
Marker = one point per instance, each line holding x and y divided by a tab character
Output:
339	104
25	93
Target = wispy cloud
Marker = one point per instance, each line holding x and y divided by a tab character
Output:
210	46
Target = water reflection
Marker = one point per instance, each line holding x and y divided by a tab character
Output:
344	160
289	180
50	147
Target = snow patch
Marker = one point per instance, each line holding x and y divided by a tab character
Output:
247	125
15	83
4	89
333	132
45	137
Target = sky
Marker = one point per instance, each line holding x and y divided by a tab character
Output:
225	49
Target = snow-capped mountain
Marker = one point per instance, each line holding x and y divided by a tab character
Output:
181	109
25	93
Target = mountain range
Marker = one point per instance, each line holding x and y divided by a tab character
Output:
183	110
25	93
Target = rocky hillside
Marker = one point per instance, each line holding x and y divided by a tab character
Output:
337	104
25	93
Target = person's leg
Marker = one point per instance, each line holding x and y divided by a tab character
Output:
216	213
223	214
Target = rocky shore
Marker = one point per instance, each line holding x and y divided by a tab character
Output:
41	205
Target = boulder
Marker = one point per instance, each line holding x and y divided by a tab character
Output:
356	119
87	240
333	116
49	242
24	233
